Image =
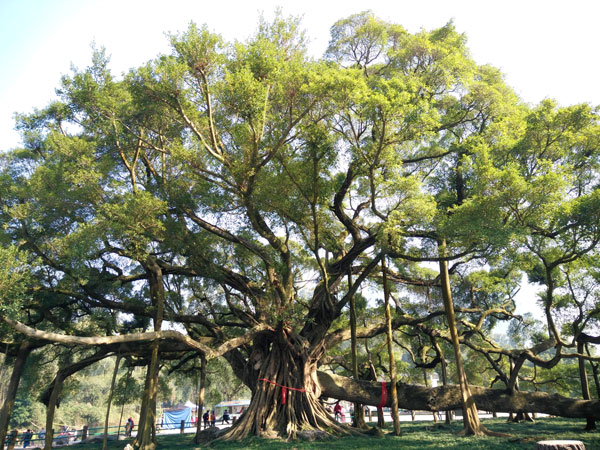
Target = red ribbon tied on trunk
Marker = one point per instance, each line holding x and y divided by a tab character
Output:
284	389
384	395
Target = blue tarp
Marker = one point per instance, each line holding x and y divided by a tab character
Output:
172	418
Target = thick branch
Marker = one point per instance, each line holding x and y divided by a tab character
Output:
137	337
448	397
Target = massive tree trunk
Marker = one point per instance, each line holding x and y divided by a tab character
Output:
472	424
11	393
281	371
285	398
447	397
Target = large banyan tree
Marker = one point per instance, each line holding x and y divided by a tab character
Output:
220	198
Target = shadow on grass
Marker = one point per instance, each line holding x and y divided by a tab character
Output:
418	435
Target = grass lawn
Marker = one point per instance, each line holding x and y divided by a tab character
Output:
415	435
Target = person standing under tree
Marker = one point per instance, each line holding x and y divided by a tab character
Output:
27	437
129	427
337	409
206	418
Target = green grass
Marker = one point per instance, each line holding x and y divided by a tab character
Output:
417	435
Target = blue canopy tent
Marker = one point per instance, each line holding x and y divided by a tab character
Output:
172	417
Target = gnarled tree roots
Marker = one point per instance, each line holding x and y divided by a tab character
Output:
285	398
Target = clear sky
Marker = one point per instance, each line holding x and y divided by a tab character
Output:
546	48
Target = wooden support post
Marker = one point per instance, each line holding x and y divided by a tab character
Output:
390	346
182	427
84	432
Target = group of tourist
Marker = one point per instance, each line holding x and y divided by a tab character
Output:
26	437
209	418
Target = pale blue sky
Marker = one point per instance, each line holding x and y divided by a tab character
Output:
546	48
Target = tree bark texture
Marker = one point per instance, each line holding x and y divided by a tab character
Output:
285	398
440	398
11	392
